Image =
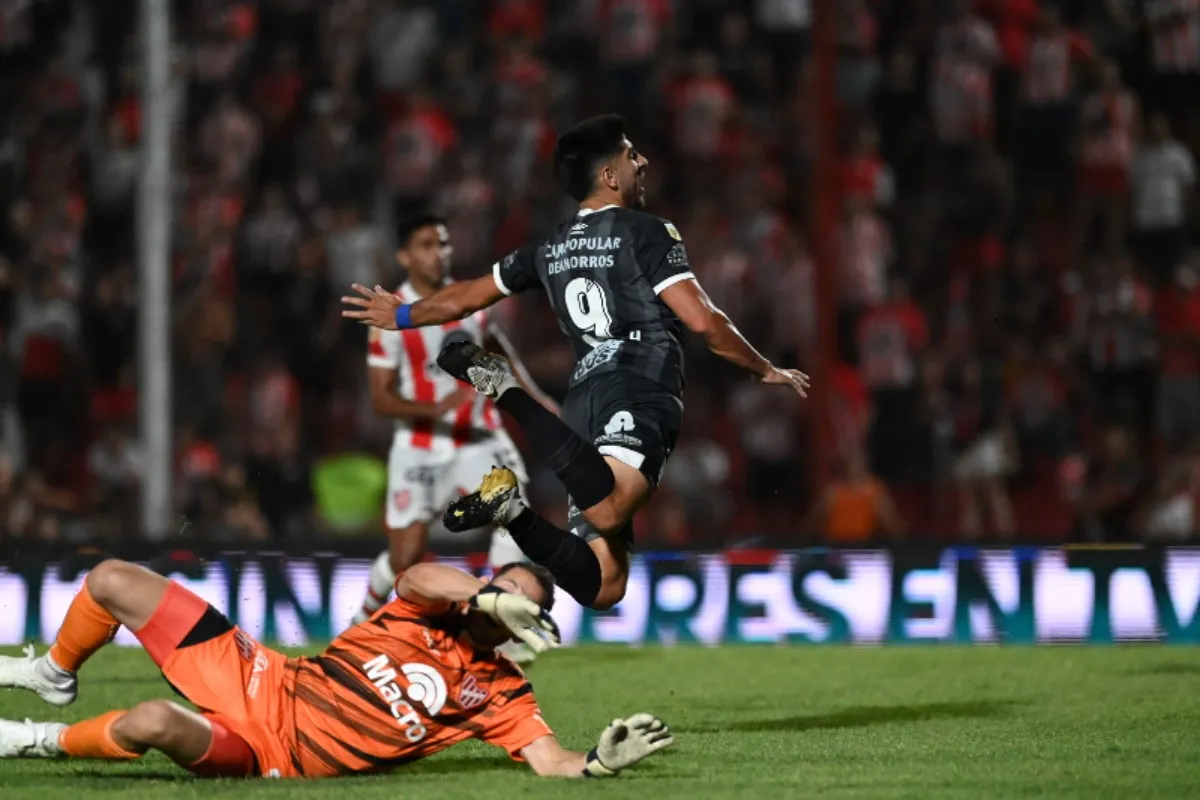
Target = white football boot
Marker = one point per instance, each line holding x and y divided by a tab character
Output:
39	674
30	739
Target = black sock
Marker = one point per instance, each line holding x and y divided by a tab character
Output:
569	559
583	471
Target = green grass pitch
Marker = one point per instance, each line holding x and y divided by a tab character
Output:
762	723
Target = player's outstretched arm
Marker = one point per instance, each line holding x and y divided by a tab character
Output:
622	744
695	309
435	584
380	308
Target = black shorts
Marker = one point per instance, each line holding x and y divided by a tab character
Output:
629	418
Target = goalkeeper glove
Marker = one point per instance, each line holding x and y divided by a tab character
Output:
522	617
626	742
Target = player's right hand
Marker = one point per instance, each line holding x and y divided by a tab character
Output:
377	307
522	617
788	377
627	741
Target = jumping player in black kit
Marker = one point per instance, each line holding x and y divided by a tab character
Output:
621	285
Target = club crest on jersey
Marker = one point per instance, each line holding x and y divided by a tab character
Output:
471	694
673	232
402	499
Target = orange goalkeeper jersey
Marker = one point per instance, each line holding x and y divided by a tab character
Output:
398	688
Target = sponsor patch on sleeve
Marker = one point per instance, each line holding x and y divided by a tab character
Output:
677	256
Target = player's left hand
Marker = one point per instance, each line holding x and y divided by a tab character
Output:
627	741
522	617
377	307
788	377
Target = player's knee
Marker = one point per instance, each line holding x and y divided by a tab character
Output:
612	591
608	516
406	547
109	580
150	724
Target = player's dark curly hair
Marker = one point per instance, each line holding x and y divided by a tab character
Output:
413	223
581	150
542	575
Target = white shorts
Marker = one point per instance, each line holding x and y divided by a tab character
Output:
421	483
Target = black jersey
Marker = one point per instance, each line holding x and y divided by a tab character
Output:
602	272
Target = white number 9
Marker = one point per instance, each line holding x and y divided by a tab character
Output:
588	307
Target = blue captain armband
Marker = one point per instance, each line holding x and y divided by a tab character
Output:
404	317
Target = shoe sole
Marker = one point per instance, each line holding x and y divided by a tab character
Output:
479	508
458	357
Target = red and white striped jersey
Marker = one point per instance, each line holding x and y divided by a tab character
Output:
1174	35
961	94
1048	77
413	354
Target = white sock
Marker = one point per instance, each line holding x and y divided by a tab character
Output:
380	584
514	508
53	670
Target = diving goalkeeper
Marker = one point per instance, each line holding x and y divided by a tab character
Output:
419	676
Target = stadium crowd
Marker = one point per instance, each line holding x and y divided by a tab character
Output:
1019	319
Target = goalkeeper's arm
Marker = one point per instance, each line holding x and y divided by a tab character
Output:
622	744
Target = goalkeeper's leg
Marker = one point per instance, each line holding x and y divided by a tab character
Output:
200	745
113	594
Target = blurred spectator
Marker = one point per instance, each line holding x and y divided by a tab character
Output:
1108	121
891	340
856	508
1118	333
1171	515
964	54
1048	122
703	104
1162	175
403	34
631	35
770	435
982	445
1113	490
1037	394
1178	310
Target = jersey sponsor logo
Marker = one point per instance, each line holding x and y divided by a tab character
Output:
600	355
260	666
420	475
426	688
583	243
578	229
616	432
677	256
581	262
471	694
621	421
673	232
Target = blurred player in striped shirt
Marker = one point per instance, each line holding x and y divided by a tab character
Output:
447	436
